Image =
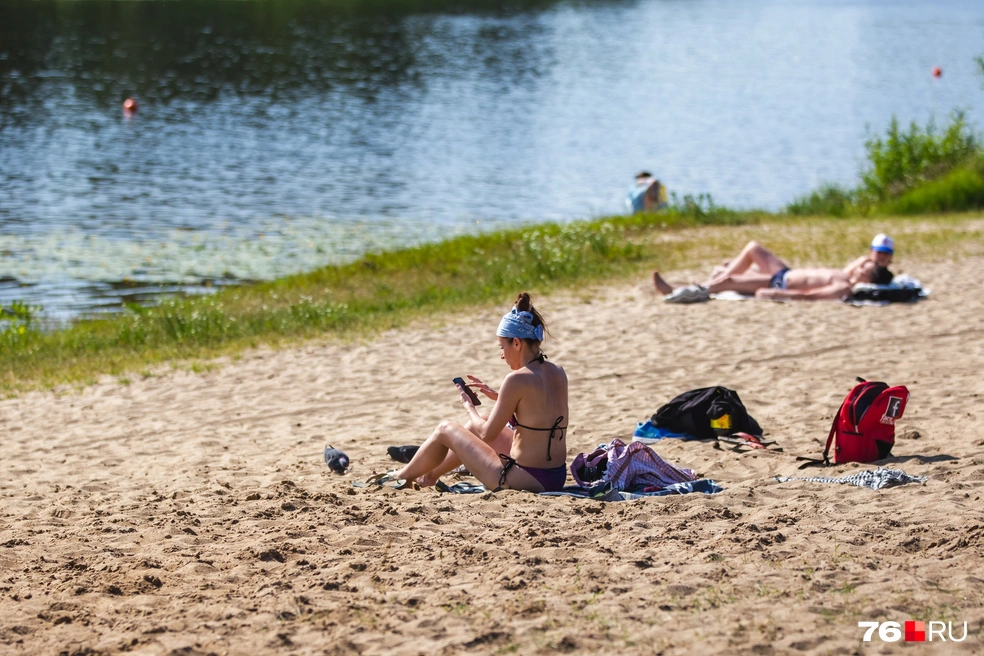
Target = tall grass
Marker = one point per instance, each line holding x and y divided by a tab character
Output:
909	171
903	159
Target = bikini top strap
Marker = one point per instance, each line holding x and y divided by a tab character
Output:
553	432
553	429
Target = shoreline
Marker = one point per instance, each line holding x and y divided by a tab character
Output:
391	289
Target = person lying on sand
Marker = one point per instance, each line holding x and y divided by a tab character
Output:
528	421
758	271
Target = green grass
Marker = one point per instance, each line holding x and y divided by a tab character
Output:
376	292
828	200
958	190
384	290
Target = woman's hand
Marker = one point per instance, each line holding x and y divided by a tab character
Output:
483	388
466	401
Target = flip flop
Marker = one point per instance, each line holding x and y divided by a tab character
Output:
386	479
460	488
746	439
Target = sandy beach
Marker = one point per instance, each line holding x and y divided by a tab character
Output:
192	513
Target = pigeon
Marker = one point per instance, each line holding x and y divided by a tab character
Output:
337	461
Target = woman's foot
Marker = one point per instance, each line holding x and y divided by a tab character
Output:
662	286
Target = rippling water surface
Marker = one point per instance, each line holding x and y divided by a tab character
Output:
275	137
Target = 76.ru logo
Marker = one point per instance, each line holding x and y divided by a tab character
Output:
914	631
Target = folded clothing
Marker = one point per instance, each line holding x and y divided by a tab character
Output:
626	467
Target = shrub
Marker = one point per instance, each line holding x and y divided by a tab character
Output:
904	159
829	200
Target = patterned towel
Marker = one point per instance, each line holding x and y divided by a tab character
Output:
876	479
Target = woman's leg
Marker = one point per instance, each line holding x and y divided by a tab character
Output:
479	457
501	444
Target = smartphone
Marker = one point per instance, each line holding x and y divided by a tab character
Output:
460	382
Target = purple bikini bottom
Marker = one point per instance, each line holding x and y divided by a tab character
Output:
552	479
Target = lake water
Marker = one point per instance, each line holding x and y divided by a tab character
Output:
275	137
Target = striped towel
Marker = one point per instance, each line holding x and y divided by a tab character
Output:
874	479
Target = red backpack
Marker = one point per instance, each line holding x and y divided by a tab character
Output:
864	428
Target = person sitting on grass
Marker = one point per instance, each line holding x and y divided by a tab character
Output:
522	443
757	271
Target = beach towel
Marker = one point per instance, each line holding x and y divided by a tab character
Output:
873	479
602	492
646	433
702	485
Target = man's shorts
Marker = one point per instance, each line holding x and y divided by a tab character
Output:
778	280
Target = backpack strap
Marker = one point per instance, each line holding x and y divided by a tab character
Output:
830	438
825	461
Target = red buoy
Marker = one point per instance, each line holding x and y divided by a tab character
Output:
129	107
937	71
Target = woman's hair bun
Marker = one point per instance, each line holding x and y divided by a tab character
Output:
524	303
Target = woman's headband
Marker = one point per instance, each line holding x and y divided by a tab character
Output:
519	324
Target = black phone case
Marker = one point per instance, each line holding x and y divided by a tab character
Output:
460	382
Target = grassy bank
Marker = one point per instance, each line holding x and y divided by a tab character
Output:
384	290
916	170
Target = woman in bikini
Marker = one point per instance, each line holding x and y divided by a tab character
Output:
522	444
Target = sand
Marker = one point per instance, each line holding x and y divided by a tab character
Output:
191	513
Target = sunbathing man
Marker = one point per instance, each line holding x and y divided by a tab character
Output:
758	271
522	444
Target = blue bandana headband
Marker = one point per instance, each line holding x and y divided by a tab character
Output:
519	324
